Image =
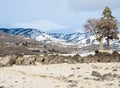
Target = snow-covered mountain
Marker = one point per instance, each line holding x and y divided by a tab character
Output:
72	38
79	39
34	34
27	32
41	36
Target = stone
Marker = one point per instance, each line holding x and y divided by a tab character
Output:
96	74
8	60
2	87
29	60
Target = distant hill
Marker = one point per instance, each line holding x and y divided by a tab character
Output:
77	39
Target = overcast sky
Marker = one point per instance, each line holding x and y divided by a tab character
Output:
63	16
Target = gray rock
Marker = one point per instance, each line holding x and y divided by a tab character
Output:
29	60
7	60
96	74
2	87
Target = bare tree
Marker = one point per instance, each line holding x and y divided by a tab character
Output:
92	26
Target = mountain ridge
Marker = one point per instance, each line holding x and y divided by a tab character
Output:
79	39
33	33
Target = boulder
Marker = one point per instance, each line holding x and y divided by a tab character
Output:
29	60
19	60
77	58
7	60
115	53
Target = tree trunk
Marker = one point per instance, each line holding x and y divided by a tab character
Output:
108	44
101	44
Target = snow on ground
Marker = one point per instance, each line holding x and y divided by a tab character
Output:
61	76
82	54
86	54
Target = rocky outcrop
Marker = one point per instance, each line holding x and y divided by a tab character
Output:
54	59
25	60
7	60
106	57
10	60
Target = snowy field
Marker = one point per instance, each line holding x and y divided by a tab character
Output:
83	54
94	75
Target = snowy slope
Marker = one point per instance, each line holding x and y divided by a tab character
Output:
35	34
71	38
46	37
27	32
79	39
41	36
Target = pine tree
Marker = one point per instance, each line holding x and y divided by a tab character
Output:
110	25
107	14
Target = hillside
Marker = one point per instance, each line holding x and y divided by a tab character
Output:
77	40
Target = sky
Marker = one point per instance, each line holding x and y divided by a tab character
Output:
61	16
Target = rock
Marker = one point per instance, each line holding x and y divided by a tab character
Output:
107	57
19	60
114	70
77	58
107	76
25	60
5	60
96	52
115	53
72	85
29	60
96	74
2	87
8	60
39	58
58	59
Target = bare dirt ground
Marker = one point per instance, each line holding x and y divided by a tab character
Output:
93	75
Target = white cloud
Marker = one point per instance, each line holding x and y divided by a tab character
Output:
82	5
80	30
43	25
